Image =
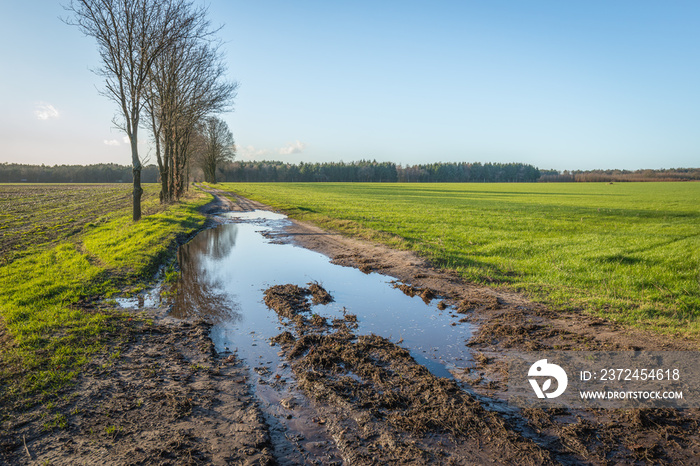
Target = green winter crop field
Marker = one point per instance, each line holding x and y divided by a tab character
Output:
629	251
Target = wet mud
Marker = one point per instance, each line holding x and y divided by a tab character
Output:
218	285
380	405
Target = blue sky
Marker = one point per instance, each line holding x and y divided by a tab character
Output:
564	85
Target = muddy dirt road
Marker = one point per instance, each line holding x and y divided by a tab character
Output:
165	395
357	406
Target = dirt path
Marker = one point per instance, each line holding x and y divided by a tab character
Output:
508	323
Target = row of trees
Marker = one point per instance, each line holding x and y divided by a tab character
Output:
210	168
672	174
98	173
362	171
163	68
365	171
469	173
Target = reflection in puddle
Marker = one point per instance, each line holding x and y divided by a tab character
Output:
150	298
201	292
226	269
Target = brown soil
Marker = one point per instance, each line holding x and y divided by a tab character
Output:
287	300
163	397
318	294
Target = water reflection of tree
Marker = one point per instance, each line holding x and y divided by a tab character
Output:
199	292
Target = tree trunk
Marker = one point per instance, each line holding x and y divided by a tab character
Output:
164	191
137	193
162	167
137	179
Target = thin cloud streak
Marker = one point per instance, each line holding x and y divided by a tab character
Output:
251	153
46	111
296	147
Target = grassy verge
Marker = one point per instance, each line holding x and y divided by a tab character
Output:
629	252
50	324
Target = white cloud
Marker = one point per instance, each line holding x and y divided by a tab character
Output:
126	140
111	142
250	152
45	111
296	147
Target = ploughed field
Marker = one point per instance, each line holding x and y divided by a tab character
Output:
39	214
629	252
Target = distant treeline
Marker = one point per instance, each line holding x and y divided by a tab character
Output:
373	171
99	173
671	174
361	171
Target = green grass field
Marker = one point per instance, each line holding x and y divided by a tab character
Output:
63	246
628	251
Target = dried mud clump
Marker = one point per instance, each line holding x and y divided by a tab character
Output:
287	300
426	294
348	322
408	290
318	321
366	265
486	302
291	301
318	294
283	338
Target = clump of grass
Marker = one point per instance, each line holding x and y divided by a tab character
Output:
58	421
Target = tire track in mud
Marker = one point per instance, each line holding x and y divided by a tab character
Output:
383	407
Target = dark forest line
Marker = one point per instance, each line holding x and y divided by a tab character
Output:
360	171
97	173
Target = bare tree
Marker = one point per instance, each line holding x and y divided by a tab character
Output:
214	146
130	35
187	83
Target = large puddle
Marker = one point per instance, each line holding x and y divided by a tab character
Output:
225	271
